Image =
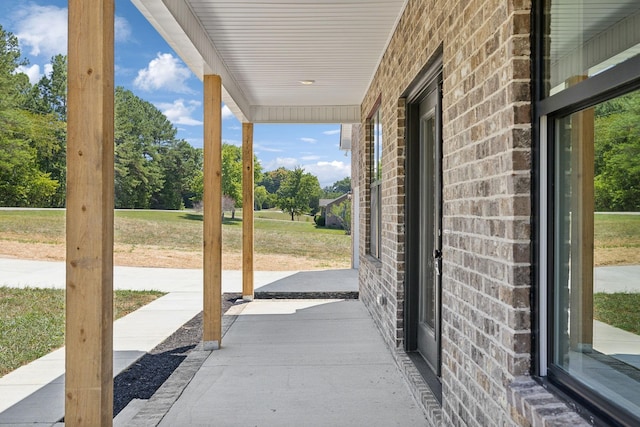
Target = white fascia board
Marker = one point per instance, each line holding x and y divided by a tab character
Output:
175	22
306	114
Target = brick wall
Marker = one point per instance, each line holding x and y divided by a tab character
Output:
486	339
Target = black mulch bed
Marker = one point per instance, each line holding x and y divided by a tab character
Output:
143	378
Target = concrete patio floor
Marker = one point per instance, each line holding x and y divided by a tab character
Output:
282	362
295	363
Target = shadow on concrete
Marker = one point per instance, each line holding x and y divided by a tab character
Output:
320	284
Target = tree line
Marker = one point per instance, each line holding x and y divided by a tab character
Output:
153	168
617	154
295	192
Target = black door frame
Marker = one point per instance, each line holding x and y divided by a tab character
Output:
416	91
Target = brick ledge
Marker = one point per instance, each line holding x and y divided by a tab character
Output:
419	388
531	404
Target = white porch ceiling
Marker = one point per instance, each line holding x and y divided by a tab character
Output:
262	49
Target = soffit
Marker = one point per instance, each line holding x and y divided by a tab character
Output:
264	48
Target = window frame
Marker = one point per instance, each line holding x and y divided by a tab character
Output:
374	178
619	80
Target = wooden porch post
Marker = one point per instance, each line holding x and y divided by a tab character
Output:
582	223
212	239
89	252
247	211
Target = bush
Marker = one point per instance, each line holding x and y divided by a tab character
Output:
320	220
343	212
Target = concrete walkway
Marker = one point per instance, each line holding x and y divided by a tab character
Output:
623	278
34	393
297	363
50	274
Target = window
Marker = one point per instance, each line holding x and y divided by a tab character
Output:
374	137
588	115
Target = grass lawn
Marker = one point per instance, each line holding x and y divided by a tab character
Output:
276	214
32	321
177	236
617	239
621	310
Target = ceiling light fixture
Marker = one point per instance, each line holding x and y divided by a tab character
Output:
307	82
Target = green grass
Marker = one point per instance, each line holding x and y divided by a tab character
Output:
621	310
182	230
45	226
617	239
612	231
276	214
32	321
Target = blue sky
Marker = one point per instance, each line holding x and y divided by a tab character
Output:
146	65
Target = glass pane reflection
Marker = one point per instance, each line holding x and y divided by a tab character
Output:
597	255
584	38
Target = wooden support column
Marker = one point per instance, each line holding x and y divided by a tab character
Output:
582	226
212	200
89	252
247	211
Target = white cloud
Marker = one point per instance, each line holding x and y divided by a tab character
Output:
262	147
226	113
179	112
164	72
309	140
310	158
329	172
43	29
122	29
287	162
32	72
331	132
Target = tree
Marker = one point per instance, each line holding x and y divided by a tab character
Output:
272	180
315	194
22	134
48	100
231	177
341	187
140	129
337	189
228	204
617	150
49	95
232	174
260	196
181	164
152	167
343	212
296	192
12	85
22	183
197	189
